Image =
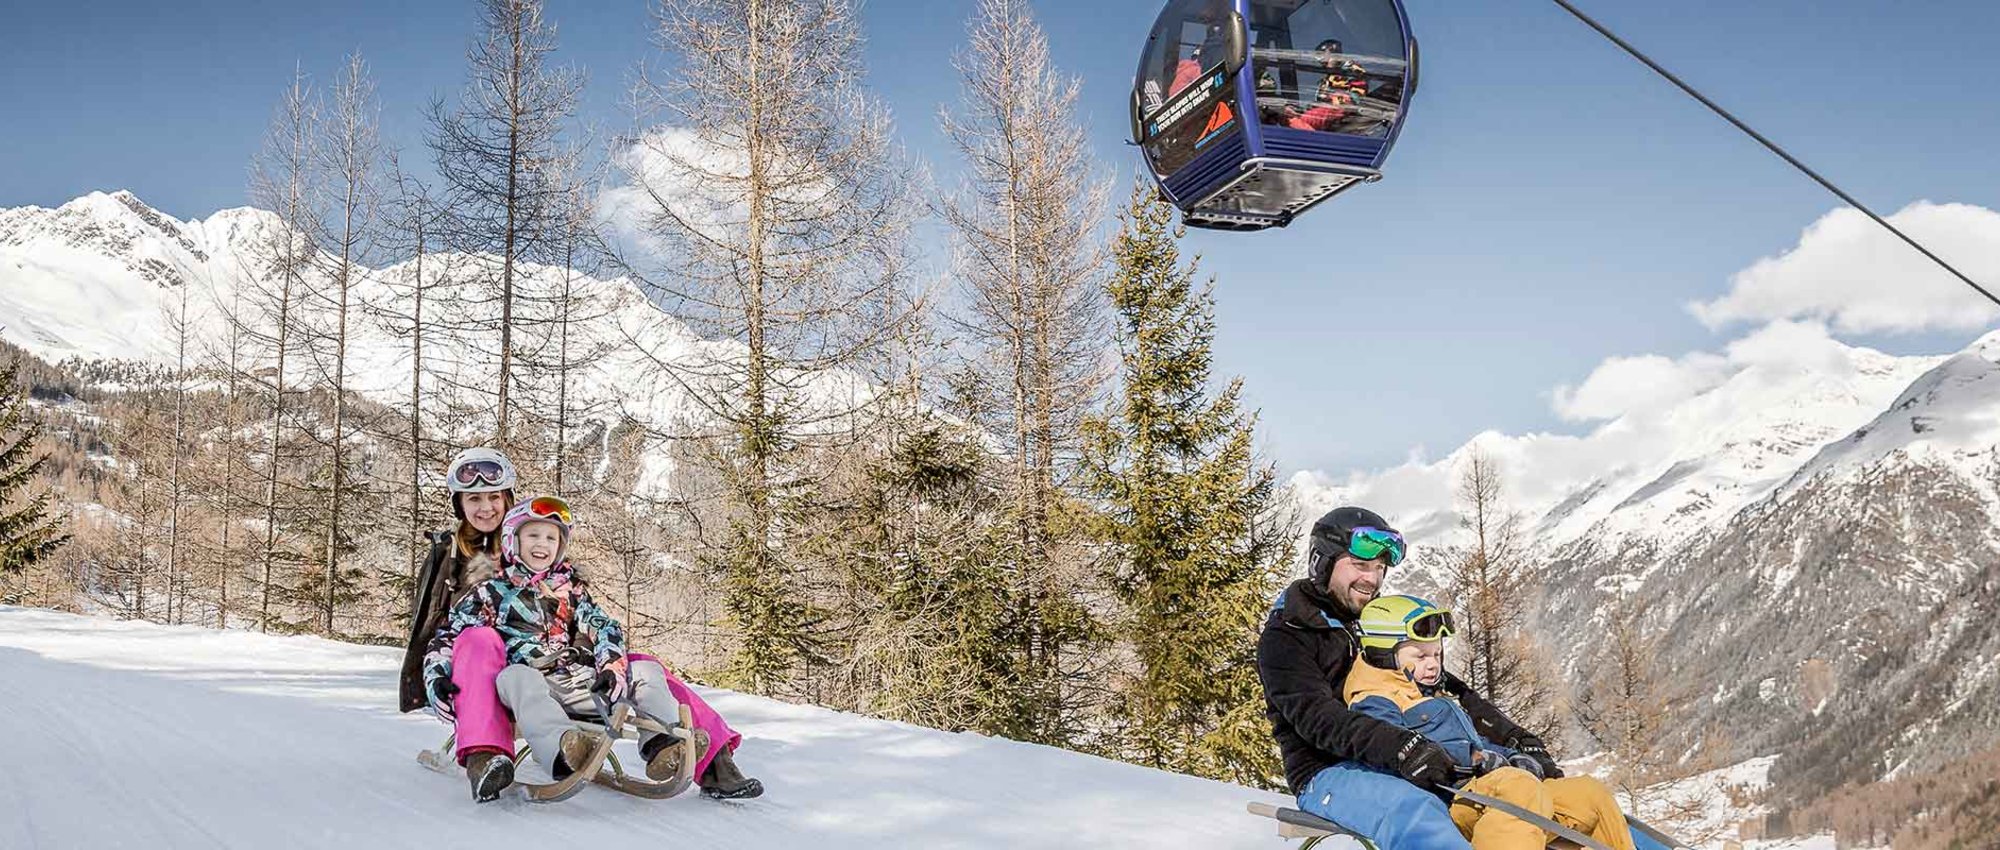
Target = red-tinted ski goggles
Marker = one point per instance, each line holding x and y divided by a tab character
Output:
480	473
1369	543
550	507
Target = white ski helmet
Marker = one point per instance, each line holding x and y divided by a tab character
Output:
480	469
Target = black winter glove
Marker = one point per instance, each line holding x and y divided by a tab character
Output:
1424	763
442	690
1534	749
611	683
1452	684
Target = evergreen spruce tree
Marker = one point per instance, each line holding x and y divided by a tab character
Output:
924	540
27	532
1189	509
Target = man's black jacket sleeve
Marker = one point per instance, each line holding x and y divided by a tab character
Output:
1311	701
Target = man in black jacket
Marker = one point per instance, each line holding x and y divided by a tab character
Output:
1371	777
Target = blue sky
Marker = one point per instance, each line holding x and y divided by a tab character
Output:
1550	204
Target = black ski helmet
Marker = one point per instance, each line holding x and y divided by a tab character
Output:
1330	537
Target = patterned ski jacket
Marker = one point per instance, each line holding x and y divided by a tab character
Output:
1390	696
540	615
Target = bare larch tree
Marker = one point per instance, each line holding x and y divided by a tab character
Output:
1030	256
280	183
774	215
492	151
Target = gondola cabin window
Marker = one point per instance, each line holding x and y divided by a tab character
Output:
1251	112
1191	36
1328	67
1186	95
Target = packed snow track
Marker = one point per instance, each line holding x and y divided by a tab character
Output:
128	734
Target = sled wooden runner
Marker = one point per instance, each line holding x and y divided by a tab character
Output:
638	786
622	726
1293	823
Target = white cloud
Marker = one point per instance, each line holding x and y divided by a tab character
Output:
1651	383
676	179
1847	270
1622	385
1793	345
677	170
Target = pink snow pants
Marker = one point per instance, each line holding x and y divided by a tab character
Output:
477	657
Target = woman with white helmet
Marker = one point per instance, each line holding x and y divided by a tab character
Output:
481	482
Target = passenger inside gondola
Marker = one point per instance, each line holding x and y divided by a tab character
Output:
1214	48
1337	104
1340	100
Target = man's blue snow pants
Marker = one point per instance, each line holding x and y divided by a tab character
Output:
1383	806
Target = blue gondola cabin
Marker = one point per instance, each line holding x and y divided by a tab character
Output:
1250	112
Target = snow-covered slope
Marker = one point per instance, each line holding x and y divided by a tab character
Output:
87	279
1708	808
123	734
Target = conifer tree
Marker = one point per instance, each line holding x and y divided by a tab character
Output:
281	258
347	160
924	541
1626	706
1189	510
495	151
28	533
1494	650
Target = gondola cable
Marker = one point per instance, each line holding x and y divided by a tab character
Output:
1772	146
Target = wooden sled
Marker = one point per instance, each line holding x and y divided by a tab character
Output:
638	785
444	758
1293	823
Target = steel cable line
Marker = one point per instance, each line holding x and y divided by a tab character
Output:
1772	146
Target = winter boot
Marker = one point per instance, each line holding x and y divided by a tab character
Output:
490	773
724	782
575	751
663	754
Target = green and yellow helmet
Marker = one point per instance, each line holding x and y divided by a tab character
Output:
1390	620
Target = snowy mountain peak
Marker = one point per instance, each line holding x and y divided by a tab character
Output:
98	277
1680	447
1950	415
114	222
86	279
1987	346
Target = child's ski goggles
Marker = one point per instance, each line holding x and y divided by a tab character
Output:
550	507
1435	625
1369	543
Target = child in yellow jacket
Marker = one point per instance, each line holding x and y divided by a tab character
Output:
1401	681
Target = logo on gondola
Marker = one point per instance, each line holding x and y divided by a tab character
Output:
1218	121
